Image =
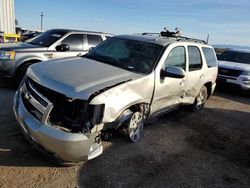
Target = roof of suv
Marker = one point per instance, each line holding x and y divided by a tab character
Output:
75	30
162	41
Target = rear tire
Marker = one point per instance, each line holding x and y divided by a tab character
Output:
200	100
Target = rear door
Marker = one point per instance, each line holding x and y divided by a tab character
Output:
195	74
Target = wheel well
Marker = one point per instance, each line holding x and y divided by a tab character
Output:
144	108
30	62
209	89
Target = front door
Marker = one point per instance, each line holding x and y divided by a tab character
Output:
169	91
76	46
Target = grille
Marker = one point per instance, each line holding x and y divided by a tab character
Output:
34	102
229	72
31	109
30	86
66	112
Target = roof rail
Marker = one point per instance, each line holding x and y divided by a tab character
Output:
191	39
151	34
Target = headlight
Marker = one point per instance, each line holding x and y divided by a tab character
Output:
7	55
246	73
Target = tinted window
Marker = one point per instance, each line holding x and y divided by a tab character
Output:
75	41
135	56
94	40
194	56
210	57
47	38
176	58
238	57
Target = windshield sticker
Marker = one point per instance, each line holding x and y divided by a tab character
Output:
56	35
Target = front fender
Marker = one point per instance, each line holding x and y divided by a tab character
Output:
25	59
121	97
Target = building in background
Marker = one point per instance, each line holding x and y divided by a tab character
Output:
7	16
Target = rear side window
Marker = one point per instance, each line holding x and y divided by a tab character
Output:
210	57
194	56
176	58
75	42
94	40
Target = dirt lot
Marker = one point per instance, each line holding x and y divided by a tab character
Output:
206	149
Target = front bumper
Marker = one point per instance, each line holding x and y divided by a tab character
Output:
64	146
242	81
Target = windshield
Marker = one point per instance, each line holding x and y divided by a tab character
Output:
238	57
47	38
135	56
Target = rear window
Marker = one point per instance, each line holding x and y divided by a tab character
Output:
210	57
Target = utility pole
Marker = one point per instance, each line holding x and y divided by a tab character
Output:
41	21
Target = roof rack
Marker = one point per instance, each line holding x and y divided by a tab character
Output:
175	35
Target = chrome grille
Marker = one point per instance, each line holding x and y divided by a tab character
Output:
35	103
229	72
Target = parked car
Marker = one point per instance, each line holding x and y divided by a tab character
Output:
64	106
234	67
27	36
55	43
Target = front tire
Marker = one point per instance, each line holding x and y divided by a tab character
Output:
21	73
200	100
135	126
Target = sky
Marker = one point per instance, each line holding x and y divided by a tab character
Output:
226	21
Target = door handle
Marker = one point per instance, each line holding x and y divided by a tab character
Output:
183	81
202	75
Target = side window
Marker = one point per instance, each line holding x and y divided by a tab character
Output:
210	57
195	62
177	57
75	42
94	40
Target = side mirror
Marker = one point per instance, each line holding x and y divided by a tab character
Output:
62	47
173	72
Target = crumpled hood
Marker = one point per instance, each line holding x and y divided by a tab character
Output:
78	77
234	65
20	46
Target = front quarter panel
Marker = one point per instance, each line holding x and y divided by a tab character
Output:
121	97
25	57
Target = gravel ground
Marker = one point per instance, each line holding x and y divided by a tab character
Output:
210	148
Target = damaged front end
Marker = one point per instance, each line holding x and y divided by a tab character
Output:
67	128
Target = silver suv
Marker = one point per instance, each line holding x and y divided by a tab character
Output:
64	106
234	68
15	58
